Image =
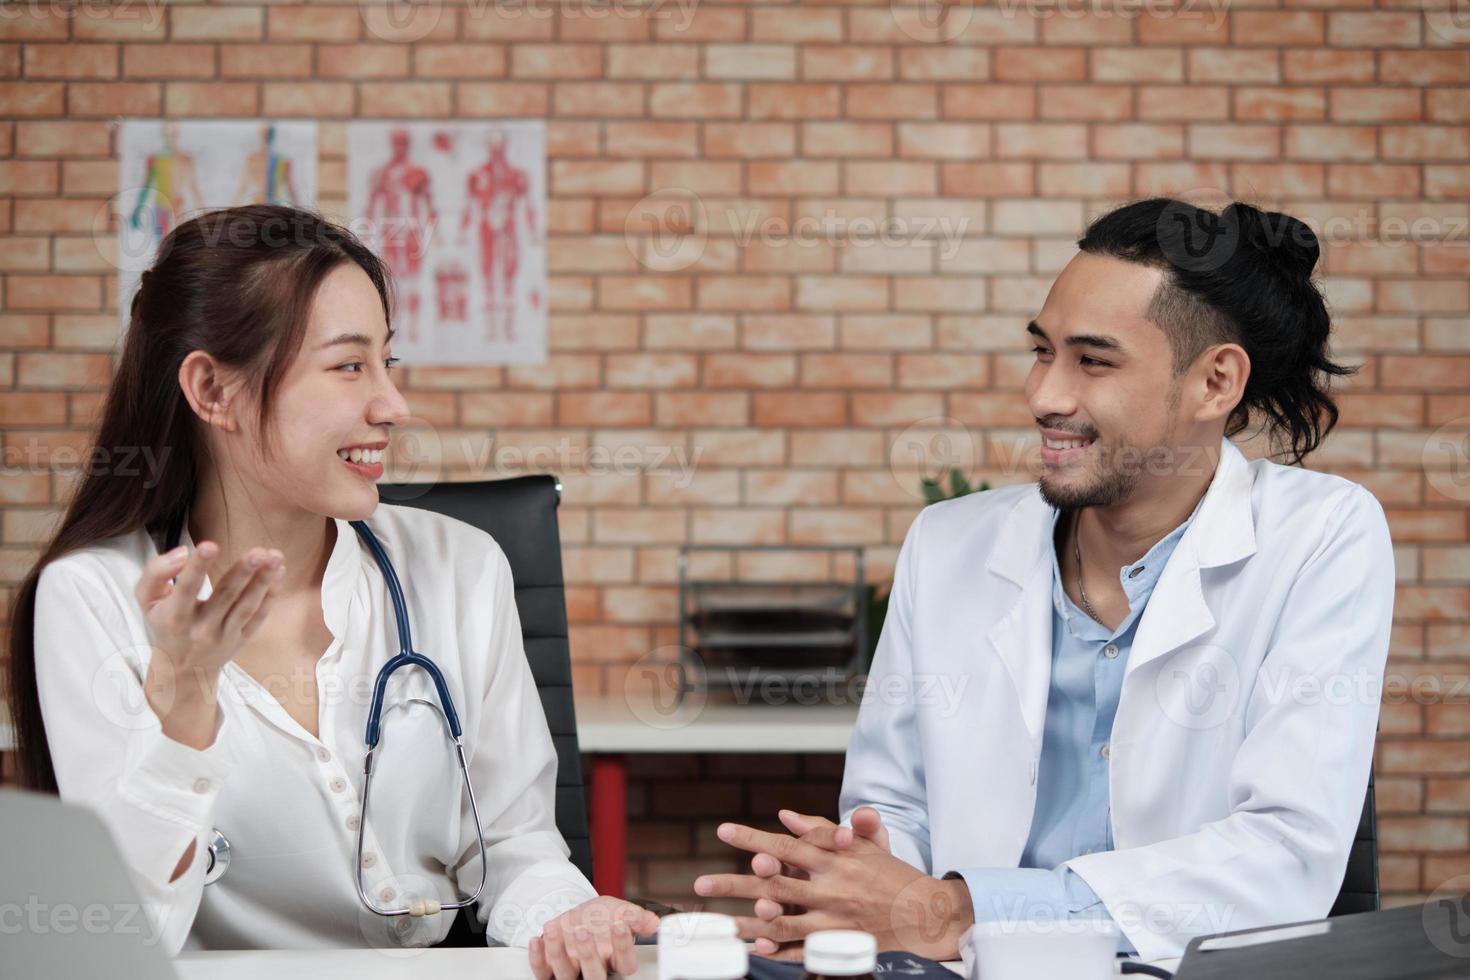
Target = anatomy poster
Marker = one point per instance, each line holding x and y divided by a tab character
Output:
172	169
458	211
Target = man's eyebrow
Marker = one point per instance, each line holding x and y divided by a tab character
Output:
359	339
1097	340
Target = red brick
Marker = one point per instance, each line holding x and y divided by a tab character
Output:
989	101
1041	65
1233	65
342	23
1308	66
1137	65
694	100
218	23
1331	143
1277	28
898	101
1277	104
985	179
1348	29
673	61
1173	103
71	61
1139	141
815	101
1376	105
799	409
169	61
263	60
1086	102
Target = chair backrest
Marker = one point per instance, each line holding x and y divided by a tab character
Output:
1359	891
520	514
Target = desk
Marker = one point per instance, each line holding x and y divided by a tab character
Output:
610	727
376	964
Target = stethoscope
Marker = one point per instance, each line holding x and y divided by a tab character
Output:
219	846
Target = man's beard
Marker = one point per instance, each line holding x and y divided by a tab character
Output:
1108	487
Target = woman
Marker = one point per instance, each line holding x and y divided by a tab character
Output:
226	684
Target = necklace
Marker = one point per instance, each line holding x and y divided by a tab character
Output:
1077	549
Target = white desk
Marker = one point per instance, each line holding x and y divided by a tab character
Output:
378	964
616	724
610	727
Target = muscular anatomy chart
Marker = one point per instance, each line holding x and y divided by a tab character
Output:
458	212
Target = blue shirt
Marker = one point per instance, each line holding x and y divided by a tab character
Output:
1072	815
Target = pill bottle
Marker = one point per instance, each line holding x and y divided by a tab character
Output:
701	942
843	953
706	959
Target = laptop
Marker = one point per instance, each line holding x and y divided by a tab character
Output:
68	907
1412	942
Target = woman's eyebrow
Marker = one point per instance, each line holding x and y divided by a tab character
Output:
359	339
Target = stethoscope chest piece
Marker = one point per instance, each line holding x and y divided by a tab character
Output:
219	858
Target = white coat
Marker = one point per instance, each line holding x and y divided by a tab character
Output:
1244	732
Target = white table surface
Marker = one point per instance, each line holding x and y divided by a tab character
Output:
378	964
612	723
616	724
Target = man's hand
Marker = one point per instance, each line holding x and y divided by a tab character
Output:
591	939
833	878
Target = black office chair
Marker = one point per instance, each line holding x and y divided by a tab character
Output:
1359	891
520	514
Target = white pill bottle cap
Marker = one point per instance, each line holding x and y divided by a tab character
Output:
840	953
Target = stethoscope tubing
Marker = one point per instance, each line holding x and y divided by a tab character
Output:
219	846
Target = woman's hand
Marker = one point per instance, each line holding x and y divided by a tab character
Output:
194	639
591	940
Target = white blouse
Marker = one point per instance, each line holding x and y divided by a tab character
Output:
289	802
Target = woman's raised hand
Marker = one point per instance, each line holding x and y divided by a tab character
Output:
194	639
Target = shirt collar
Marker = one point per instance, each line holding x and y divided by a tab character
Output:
1149	567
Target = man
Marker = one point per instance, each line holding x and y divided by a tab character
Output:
1170	656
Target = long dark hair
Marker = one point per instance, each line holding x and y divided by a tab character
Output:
238	284
1240	276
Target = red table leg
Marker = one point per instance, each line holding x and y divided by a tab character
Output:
610	825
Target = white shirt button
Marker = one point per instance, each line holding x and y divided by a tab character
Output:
1107	752
323	755
368	860
386	895
1110	651
338	784
404	924
201	786
352	823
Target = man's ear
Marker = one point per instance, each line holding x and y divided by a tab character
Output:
212	390
1222	372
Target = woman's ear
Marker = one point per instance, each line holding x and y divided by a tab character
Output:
211	389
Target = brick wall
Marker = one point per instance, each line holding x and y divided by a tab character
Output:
785	347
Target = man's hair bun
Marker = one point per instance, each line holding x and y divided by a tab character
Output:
1278	237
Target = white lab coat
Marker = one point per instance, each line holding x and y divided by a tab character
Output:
1228	811
289	801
